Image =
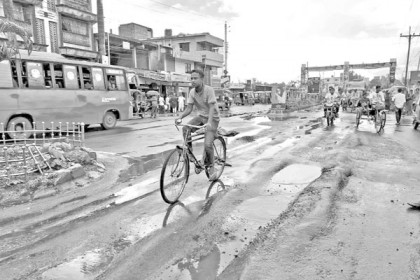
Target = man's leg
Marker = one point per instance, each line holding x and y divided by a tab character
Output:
208	147
398	112
186	131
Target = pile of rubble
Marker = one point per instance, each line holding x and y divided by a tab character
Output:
55	164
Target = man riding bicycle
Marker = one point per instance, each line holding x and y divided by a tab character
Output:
331	100
204	99
377	101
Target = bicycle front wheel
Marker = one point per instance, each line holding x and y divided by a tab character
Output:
219	147
174	176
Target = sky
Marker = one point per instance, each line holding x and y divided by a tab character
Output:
269	40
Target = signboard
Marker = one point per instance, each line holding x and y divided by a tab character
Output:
105	60
180	78
392	70
155	76
126	45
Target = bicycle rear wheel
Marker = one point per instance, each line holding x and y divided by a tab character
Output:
219	147
174	175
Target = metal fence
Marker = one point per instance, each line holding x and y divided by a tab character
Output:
20	149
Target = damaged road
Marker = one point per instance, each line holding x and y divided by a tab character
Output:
302	201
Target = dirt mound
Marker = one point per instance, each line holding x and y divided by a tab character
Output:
46	167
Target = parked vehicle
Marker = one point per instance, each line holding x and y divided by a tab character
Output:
46	87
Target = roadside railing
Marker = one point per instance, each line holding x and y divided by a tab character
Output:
21	152
41	133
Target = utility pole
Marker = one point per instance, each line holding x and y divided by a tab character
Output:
226	49
409	36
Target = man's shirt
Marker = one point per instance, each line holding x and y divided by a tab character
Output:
330	99
203	100
153	95
377	97
399	100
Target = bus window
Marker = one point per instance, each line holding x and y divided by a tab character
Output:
24	75
98	78
47	75
87	78
6	80
14	74
115	79
71	77
121	85
58	73
35	75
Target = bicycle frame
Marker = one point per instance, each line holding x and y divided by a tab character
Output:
189	140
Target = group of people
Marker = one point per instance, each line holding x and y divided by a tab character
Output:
171	103
157	102
370	102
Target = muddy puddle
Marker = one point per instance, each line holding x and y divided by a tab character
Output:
243	224
93	262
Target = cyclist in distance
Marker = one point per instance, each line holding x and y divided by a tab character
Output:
377	99
203	98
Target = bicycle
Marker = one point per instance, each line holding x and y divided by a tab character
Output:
176	167
379	118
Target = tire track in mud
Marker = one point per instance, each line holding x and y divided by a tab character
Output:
318	201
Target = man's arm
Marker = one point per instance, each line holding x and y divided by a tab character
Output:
187	111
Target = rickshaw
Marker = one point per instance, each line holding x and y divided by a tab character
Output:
223	99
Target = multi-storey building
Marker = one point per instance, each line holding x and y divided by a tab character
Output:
59	26
194	51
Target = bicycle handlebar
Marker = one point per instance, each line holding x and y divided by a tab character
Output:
190	125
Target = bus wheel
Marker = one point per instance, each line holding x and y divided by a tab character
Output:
109	121
19	128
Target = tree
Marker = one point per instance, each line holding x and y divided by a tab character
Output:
101	29
10	47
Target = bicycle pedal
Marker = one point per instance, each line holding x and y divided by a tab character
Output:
228	164
198	170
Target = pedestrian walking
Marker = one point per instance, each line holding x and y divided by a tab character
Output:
153	95
181	103
161	104
173	101
167	104
399	102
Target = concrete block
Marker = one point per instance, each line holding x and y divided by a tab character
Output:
77	171
91	153
63	176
